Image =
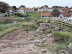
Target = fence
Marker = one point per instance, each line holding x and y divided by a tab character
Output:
62	24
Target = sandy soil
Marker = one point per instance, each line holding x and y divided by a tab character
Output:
21	42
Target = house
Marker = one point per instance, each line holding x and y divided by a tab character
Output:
70	11
46	14
50	9
28	10
64	14
10	11
21	10
35	8
60	9
66	9
44	8
24	10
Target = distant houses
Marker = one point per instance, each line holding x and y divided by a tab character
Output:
24	10
64	11
45	8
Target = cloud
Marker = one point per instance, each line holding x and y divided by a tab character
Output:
31	3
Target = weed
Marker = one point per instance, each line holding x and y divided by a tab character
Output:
44	51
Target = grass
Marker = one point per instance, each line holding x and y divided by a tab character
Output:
8	28
29	26
44	51
62	34
42	46
70	29
61	46
39	21
2	28
8	31
34	14
66	35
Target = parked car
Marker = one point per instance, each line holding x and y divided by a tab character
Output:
69	19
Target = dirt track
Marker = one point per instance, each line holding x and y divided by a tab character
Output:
21	42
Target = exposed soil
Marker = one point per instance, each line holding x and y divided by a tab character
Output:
21	42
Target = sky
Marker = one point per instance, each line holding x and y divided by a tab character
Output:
36	3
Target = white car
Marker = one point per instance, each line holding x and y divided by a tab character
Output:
69	19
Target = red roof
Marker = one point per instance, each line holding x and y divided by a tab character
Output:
66	9
61	8
64	18
10	9
66	14
46	14
44	7
50	8
26	8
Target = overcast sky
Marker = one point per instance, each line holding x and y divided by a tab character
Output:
36	3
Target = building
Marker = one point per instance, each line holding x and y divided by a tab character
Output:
60	9
21	10
24	10
44	8
35	8
66	9
46	14
50	9
28	10
64	14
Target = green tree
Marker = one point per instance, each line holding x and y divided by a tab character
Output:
45	5
15	8
22	6
3	7
55	13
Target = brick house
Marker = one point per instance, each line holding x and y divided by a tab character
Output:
46	14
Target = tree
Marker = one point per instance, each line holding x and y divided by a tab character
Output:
57	7
22	6
3	7
15	8
55	13
66	6
45	5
